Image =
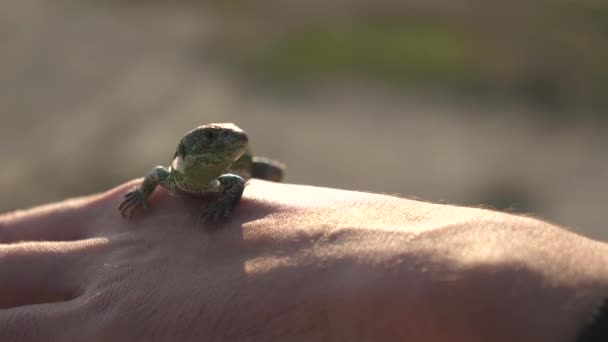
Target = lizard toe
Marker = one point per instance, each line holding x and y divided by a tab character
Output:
214	212
132	201
203	217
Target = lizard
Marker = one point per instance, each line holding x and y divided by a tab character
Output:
212	159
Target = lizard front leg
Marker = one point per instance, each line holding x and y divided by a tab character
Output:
230	190
138	196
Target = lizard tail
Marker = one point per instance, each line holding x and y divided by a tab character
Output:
268	169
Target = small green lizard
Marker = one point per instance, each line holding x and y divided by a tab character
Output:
212	159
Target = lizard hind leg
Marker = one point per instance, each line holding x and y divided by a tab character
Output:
268	169
230	190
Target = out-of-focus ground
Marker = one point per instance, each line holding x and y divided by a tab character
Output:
500	105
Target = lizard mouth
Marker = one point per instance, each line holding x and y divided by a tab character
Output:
238	142
178	164
241	137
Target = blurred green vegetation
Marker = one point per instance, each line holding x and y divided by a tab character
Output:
550	53
390	52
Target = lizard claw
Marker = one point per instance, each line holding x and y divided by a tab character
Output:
214	212
133	199
231	190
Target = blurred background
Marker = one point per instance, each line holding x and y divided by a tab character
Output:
497	104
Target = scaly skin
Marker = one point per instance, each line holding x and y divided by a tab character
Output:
248	166
210	159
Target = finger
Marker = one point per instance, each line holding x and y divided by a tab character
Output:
64	221
39	272
44	322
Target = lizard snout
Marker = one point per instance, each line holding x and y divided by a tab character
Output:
240	137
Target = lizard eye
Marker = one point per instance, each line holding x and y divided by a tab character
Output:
209	134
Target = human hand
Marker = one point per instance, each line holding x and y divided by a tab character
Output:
292	263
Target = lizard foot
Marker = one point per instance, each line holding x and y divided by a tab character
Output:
213	212
133	199
231	190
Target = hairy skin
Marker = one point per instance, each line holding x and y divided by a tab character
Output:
209	160
294	263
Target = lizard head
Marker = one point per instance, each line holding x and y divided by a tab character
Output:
209	149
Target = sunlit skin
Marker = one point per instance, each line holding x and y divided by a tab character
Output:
210	159
293	263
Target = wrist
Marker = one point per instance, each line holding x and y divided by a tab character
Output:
596	327
533	283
